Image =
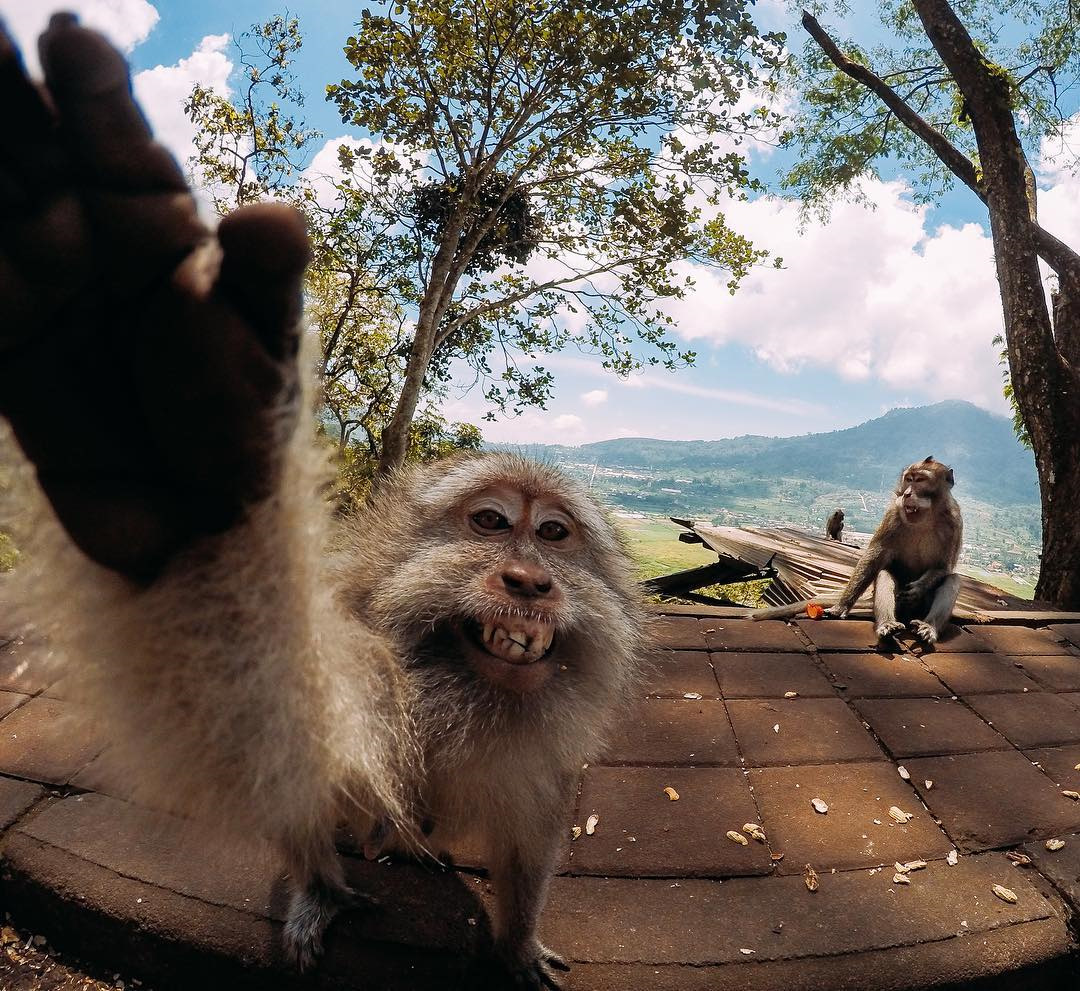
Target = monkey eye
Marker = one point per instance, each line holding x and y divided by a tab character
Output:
552	530
490	520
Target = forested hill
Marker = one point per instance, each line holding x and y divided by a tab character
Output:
989	462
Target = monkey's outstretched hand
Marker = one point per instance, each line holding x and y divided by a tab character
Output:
148	368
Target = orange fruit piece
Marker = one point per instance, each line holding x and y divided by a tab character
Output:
814	611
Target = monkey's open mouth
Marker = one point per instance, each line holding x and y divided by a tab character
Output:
515	639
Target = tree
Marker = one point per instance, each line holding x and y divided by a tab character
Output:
544	170
255	148
950	107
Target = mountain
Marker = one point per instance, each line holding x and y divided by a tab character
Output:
990	464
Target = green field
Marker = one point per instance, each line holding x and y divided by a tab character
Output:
655	544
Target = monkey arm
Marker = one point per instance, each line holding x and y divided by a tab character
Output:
872	561
174	536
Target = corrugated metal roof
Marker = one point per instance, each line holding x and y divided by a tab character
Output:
809	566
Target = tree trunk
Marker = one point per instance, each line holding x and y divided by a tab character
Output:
1045	380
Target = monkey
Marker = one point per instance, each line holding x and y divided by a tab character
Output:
449	658
835	524
911	559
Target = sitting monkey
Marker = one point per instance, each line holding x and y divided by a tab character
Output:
835	525
911	559
453	655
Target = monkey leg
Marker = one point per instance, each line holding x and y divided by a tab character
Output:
928	630
885	621
522	868
319	892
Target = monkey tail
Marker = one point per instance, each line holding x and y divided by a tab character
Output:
793	609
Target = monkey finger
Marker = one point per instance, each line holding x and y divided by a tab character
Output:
28	116
266	254
103	128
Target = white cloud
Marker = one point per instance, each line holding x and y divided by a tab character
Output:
872	294
161	91
125	23
594	398
568	423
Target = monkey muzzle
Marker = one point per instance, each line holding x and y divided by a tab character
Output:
513	650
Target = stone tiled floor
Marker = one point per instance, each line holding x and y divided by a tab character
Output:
749	722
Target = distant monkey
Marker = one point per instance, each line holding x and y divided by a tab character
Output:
835	524
451	656
911	559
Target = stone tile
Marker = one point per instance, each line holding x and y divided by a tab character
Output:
15	798
840	634
673	673
27	666
993	799
674	731
749	675
847	836
910	727
1067	631
671	839
1037	954
701	922
101	776
957	639
679	633
978	672
1020	640
1057	671
882	674
43	742
1060	866
745	634
812	731
1037	719
10	701
1060	763
159	849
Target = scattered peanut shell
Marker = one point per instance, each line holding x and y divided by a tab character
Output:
901	879
737	838
929	784
1077	767
1074	795
776	856
819	806
953	858
1004	894
791	695
810	879
915	865
1054	845
743	949
901	868
903	772
1020	859
672	794
754	831
575	832
776	728
692	696
899	815
591	823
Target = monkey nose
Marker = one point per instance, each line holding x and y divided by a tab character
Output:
526	580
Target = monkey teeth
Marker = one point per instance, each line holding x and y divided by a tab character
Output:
526	641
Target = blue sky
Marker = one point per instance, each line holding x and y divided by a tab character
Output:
878	308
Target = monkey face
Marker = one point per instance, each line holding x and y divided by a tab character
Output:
505	574
511	638
919	486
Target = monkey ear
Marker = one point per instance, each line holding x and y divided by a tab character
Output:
949	478
928	459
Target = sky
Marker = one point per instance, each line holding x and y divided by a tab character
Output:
877	308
